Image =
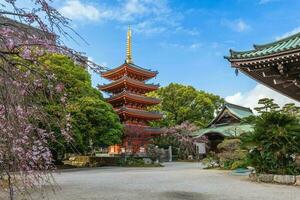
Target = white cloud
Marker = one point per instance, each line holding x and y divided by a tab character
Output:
196	45
148	28
126	11
135	7
186	47
192	32
289	33
250	98
238	25
266	1
145	16
148	16
74	9
131	10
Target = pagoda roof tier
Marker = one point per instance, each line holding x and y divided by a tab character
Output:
275	65
141	114
128	96
126	81
146	130
130	69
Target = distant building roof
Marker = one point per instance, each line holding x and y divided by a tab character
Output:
228	127
226	130
239	112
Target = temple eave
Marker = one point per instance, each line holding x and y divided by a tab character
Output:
141	114
125	97
129	67
145	102
289	88
127	82
109	88
265	58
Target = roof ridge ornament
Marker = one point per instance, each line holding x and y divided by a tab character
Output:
128	47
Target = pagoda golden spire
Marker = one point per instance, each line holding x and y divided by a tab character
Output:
128	46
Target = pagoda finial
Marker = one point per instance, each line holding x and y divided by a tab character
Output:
128	46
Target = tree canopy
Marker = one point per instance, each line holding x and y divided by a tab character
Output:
180	103
93	121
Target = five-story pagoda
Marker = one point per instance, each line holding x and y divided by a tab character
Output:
127	88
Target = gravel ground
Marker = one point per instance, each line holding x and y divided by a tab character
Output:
174	181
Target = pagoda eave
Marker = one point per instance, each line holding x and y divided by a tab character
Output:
129	97
140	114
129	68
145	129
128	82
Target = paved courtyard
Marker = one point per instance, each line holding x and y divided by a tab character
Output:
174	181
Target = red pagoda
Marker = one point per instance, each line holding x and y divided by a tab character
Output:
127	95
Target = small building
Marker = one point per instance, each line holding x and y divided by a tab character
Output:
275	65
226	124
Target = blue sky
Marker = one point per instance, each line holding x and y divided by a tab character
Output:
184	40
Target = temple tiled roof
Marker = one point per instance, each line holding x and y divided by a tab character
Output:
127	79
141	68
239	112
226	130
290	43
146	129
136	97
140	113
131	65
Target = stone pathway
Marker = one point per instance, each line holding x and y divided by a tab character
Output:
174	181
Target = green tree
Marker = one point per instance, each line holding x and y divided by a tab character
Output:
74	78
267	105
93	121
291	108
180	103
94	124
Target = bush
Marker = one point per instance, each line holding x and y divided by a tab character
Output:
154	152
239	164
229	144
136	162
211	161
231	156
274	143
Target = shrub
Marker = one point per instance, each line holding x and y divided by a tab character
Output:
211	161
231	156
239	164
136	162
229	144
274	143
154	152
